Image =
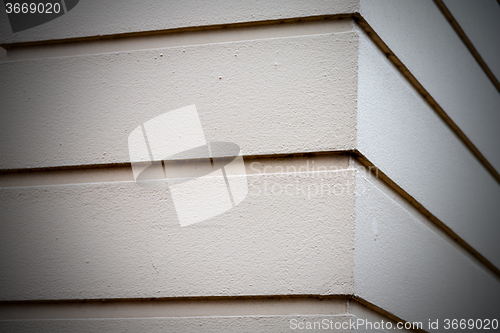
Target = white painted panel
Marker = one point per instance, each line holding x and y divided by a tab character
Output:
421	37
293	234
480	20
407	269
176	307
94	18
269	96
404	138
241	324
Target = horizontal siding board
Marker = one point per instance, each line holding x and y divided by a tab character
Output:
424	41
480	20
404	138
118	240
197	324
93	18
272	96
408	269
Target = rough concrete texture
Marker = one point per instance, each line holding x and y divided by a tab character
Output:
270	96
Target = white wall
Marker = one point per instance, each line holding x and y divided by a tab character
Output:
402	136
269	96
117	240
297	94
93	18
480	22
420	36
407	267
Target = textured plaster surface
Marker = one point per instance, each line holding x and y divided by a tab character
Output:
179	38
117	240
270	96
112	239
268	319
160	325
94	18
176	307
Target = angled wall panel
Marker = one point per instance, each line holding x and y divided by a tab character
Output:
405	139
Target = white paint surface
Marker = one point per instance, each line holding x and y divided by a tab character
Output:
480	20
250	324
118	240
94	18
272	244
421	37
271	96
413	272
405	139
174	132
